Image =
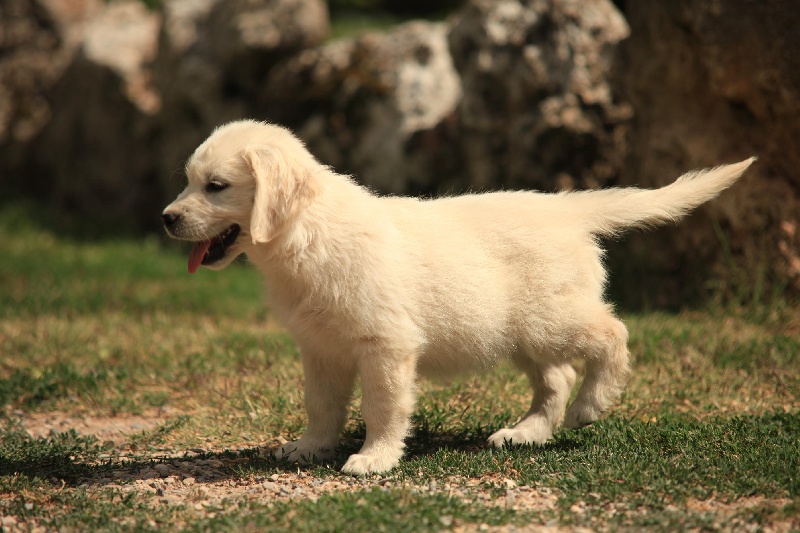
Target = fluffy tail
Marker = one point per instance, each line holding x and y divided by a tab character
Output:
610	211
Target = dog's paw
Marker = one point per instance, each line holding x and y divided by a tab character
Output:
581	415
360	464
519	437
302	452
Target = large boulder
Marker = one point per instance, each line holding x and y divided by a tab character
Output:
38	40
192	86
538	110
715	82
100	102
247	37
92	158
213	58
363	104
512	93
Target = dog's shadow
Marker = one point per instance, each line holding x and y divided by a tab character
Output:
424	444
62	466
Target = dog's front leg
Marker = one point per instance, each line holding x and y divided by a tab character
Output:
328	389
387	403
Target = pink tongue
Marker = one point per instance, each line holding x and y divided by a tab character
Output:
197	255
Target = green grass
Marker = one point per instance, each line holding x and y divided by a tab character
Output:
705	437
355	24
42	274
373	510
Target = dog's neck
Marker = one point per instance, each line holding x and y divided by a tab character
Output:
304	260
298	241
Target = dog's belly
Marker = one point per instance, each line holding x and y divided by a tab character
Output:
447	357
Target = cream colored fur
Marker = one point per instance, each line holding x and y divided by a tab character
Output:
392	288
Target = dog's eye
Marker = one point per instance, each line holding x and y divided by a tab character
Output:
216	186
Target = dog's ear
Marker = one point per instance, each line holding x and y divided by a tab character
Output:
281	190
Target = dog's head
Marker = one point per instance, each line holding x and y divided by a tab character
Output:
246	183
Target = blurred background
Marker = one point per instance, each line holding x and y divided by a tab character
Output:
101	102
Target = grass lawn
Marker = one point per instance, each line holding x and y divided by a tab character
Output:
136	397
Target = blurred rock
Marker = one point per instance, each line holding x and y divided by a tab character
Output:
715	82
248	37
93	157
129	93
191	84
124	39
508	94
38	39
360	103
538	110
213	60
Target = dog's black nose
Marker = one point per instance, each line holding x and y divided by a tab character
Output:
169	218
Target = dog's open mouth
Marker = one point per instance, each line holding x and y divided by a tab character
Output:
212	250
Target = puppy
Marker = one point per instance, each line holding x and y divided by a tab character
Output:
392	288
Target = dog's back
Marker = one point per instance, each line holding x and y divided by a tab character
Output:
489	268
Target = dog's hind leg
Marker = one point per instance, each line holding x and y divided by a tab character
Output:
551	383
604	346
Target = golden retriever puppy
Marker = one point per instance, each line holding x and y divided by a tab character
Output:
392	288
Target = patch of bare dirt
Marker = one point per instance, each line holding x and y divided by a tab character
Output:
735	513
117	429
207	486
